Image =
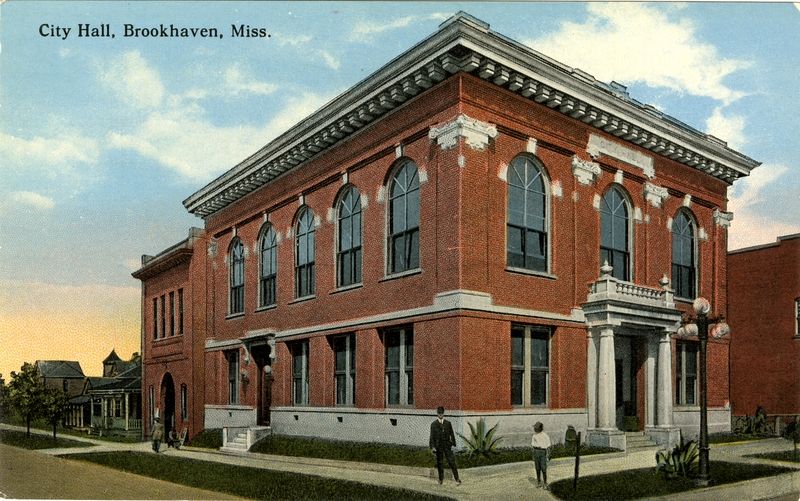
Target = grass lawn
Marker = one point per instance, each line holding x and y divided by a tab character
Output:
789	456
252	483
37	441
645	482
725	437
393	454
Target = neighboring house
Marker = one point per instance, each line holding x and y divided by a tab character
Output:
62	374
111	404
427	238
764	315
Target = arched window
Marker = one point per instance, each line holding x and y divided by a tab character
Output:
614	241
404	219
684	267
526	245
304	254
237	276
348	256
269	266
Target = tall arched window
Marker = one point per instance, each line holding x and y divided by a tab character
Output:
404	219
304	254
237	276
348	256
684	267
526	245
269	266
614	241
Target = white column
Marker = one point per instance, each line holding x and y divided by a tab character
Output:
650	406
606	384
664	398
126	412
591	377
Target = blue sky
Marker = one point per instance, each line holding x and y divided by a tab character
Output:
102	139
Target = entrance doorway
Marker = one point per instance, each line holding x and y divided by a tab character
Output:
168	403
629	362
260	354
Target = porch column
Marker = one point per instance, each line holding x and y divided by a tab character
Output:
591	377
606	384
650	406
664	381
126	412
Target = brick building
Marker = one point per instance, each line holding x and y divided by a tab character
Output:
437	235
764	314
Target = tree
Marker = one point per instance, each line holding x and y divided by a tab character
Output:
25	392
54	403
3	401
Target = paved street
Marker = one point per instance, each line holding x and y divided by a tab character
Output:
49	477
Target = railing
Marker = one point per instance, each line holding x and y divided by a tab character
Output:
639	291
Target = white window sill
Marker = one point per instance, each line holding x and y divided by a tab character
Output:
347	288
266	308
234	315
523	271
303	299
415	271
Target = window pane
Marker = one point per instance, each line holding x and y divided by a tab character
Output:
410	387
341	389
398	256
392	351
413	250
409	350
516	387
516	205
515	256
340	354
393	387
539	357
517	349
412	206
398	215
539	388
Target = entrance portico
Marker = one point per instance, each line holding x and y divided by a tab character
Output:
629	328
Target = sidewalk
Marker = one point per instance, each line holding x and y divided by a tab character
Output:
507	481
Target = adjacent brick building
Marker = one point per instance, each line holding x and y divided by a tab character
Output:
764	315
437	235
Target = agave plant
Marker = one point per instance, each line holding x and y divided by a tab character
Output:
481	441
683	460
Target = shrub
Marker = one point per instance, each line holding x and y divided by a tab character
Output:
683	460
481	441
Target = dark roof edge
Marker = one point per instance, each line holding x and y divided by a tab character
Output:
776	243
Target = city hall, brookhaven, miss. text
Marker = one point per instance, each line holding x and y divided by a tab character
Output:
103	30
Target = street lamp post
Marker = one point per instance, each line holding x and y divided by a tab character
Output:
702	308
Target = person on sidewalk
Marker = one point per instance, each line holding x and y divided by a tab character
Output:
158	435
541	454
441	442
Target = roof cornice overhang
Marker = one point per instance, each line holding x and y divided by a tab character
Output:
464	44
164	262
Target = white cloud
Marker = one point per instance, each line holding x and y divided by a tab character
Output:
31	199
363	31
180	137
134	81
753	224
53	157
238	81
729	128
635	42
330	60
293	40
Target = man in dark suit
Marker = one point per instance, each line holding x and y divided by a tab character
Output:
441	443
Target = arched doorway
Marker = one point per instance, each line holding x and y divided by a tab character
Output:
168	403
260	354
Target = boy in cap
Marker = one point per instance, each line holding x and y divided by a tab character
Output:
541	453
